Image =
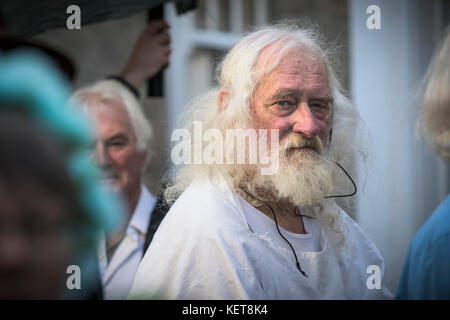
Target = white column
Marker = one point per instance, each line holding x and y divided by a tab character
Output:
212	14
177	74
260	12
236	16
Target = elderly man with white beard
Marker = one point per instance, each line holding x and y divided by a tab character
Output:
236	233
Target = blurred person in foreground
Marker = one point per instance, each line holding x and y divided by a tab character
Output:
266	229
52	207
426	272
123	136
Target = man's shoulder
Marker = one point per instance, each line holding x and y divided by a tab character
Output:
357	242
205	205
359	255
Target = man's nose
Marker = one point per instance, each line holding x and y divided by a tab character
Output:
101	155
304	121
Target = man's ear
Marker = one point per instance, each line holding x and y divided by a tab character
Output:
224	98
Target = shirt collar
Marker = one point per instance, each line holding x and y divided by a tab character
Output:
144	208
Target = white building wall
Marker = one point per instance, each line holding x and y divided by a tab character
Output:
405	181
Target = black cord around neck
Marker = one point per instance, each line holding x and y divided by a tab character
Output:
348	176
297	263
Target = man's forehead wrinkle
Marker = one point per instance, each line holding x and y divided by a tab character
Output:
274	51
294	63
295	83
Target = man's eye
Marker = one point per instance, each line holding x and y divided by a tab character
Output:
320	106
285	104
118	143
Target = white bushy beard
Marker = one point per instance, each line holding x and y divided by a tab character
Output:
304	177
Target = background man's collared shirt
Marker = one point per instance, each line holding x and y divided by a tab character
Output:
118	274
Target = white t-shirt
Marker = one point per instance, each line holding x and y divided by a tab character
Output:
262	224
204	249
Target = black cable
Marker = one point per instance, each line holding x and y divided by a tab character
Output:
297	263
290	245
344	195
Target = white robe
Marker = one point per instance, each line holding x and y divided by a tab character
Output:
204	249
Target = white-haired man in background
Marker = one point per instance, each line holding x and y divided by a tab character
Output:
122	150
237	233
